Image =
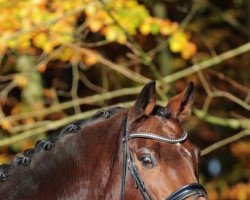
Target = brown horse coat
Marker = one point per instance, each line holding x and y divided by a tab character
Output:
88	163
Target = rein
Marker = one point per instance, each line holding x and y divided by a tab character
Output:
194	189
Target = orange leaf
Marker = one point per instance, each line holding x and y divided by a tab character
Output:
188	51
95	25
26	144
5	124
91	59
42	68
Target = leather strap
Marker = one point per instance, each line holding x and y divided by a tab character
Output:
137	178
193	189
156	137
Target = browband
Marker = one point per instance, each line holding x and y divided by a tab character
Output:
155	137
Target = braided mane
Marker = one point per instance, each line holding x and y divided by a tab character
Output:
48	144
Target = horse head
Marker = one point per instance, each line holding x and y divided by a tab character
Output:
161	160
139	153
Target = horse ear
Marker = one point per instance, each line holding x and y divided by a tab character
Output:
145	102
179	106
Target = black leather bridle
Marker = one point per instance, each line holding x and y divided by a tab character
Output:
194	190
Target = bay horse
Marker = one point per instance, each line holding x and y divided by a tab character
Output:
131	154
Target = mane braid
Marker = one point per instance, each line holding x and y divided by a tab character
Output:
48	144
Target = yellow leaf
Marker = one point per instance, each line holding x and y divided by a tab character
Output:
145	28
12	43
177	42
91	8
48	48
66	54
111	34
5	124
122	39
20	80
40	40
174	45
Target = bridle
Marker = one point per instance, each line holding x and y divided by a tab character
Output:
194	190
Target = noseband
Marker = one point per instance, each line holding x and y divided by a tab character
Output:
194	190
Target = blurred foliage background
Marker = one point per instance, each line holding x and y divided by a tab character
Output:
61	61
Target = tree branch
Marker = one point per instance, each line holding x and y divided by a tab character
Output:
208	63
125	71
224	142
227	122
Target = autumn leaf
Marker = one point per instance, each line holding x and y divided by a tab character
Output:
188	51
5	124
40	40
111	33
167	28
20	79
95	25
179	43
132	16
27	144
145	28
91	59
66	54
4	158
42	68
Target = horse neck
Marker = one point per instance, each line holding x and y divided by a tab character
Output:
82	162
102	157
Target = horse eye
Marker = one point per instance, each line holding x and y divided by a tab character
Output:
146	160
